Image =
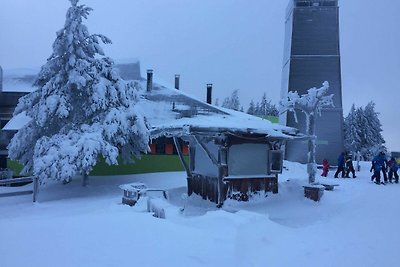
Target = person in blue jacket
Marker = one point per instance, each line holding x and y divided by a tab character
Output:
379	163
340	165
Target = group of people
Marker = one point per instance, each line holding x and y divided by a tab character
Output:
388	169
345	166
379	164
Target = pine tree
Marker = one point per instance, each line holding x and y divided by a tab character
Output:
232	102
226	103
362	131
81	110
372	130
263	105
251	109
352	131
271	109
257	110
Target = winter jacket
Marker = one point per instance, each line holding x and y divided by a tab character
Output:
325	164
340	160
393	165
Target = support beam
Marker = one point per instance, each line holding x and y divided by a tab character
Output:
180	154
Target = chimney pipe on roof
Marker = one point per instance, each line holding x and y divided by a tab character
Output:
149	80
209	93
177	81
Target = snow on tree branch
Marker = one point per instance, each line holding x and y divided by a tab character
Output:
81	110
310	104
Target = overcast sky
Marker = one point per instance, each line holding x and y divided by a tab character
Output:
234	44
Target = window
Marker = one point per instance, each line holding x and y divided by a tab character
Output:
275	161
329	3
303	3
248	159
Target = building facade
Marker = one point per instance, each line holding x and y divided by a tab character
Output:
8	102
312	56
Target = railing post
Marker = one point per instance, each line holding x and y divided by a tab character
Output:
35	187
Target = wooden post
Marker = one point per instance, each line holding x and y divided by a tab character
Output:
85	179
35	187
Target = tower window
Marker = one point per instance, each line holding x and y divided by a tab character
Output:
329	3
303	3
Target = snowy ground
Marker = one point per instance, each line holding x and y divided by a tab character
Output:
354	225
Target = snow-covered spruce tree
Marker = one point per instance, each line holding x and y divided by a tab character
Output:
251	108
352	131
232	102
81	110
311	105
371	131
263	105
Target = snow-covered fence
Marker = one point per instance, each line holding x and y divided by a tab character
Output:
14	181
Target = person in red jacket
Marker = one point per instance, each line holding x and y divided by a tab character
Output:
325	168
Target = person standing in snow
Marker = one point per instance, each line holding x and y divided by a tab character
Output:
383	162
325	168
376	168
340	165
393	166
349	166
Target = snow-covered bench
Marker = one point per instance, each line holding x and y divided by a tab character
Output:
13	181
158	207
329	186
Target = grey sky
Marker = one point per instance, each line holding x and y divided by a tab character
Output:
234	44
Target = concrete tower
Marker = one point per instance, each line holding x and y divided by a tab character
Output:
312	56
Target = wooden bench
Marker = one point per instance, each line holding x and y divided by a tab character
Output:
13	181
313	191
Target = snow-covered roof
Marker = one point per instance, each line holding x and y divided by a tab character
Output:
17	122
19	80
171	112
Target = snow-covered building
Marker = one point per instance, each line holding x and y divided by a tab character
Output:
232	154
13	85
